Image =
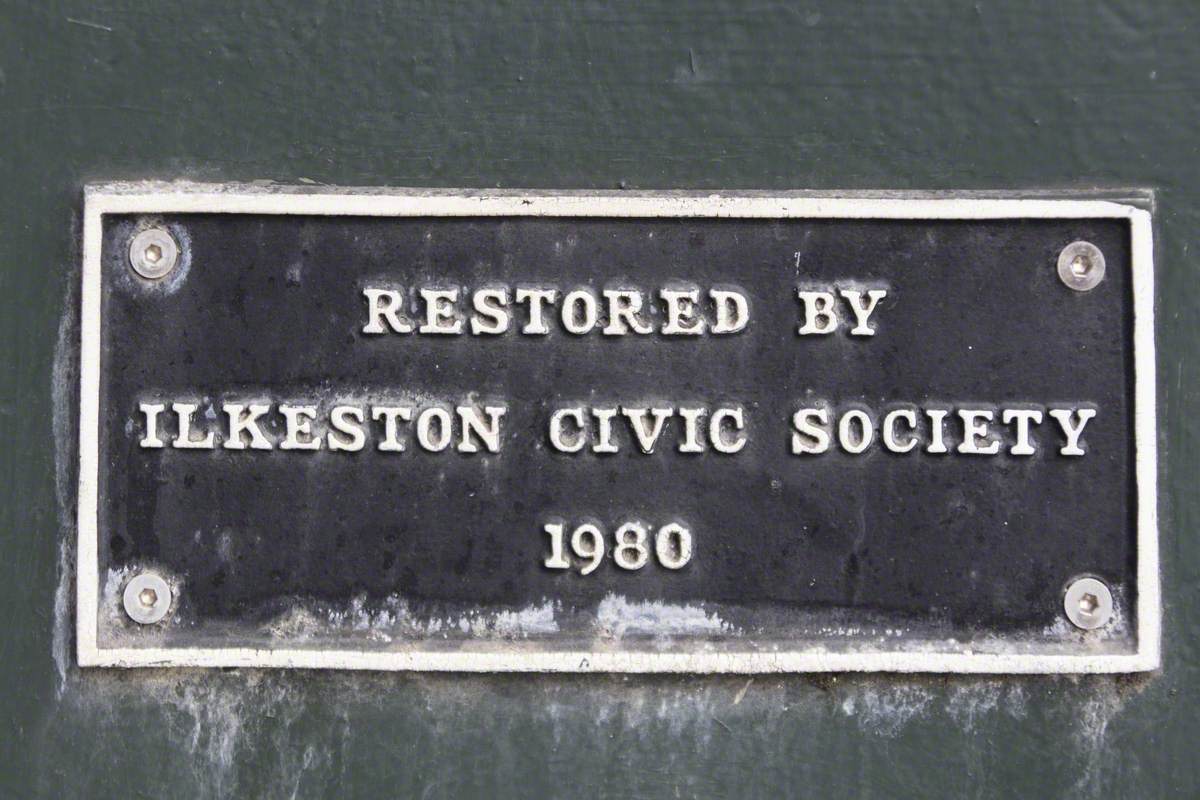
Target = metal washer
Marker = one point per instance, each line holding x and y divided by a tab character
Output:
153	253
1081	266
1088	603
147	598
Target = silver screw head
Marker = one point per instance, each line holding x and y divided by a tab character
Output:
1081	266
153	253
1088	603
147	598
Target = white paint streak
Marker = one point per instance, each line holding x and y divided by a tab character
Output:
63	376
885	710
392	619
616	617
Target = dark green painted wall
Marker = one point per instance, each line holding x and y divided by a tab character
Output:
652	94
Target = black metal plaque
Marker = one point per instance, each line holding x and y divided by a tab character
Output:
567	432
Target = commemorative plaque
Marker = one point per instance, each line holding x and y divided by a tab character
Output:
616	431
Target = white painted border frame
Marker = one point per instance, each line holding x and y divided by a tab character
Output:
166	198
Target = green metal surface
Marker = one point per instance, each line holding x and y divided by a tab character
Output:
654	94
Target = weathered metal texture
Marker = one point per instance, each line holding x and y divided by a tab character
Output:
720	95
